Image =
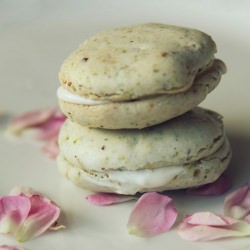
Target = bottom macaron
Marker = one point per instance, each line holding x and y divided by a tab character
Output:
188	151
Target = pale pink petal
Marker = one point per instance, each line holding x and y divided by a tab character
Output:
104	199
153	214
209	219
26	191
44	125
13	212
206	226
43	214
51	148
247	218
50	129
219	187
8	247
30	119
237	203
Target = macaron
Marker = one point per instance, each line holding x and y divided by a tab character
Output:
138	76
187	151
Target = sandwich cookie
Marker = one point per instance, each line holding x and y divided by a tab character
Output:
138	76
188	151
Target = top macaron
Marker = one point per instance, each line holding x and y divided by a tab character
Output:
133	64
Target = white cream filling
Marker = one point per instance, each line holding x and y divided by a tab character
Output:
67	96
123	181
136	180
130	182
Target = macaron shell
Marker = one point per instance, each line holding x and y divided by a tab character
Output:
187	138
197	173
137	61
145	112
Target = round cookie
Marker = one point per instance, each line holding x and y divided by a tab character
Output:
190	150
140	113
138	76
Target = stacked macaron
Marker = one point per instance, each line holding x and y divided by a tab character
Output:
130	95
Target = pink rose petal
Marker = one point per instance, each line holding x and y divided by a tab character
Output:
45	126
219	187
45	123
209	219
13	212
153	214
206	226
104	199
247	218
26	214
51	148
50	129
43	214
30	119
8	247
237	203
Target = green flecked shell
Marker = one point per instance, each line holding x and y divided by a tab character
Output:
182	140
137	61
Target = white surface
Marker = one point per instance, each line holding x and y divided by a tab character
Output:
35	37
